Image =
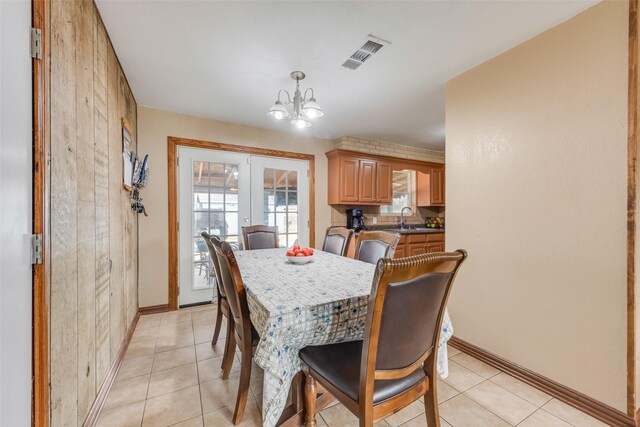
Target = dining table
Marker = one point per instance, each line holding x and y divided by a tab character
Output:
296	305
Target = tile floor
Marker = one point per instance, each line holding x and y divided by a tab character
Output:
171	377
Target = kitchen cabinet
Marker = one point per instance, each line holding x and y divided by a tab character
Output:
348	179
435	247
419	243
384	182
368	181
437	186
430	188
354	179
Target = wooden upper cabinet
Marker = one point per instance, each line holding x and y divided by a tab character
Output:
357	178
437	186
430	187
349	173
376	186
368	182
384	183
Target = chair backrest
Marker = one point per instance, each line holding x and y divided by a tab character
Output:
406	309
260	237
336	240
373	245
210	240
234	288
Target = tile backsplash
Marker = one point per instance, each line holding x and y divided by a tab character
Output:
339	215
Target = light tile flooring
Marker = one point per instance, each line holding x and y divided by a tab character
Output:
171	377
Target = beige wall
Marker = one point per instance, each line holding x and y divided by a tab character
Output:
154	126
536	192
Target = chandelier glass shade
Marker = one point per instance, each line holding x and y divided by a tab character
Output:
303	107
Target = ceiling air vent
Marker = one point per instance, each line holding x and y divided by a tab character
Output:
370	46
351	64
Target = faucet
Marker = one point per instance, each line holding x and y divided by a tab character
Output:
402	216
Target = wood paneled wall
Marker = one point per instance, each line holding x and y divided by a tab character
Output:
94	289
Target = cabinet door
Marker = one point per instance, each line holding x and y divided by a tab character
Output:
416	249
384	183
348	179
400	251
437	186
423	189
435	247
367	179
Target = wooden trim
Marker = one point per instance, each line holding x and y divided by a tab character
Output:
41	140
195	143
153	309
312	200
584	403
172	146
632	149
110	377
173	223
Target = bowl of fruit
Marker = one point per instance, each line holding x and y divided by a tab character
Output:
299	255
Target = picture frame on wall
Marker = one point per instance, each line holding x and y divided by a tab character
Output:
128	156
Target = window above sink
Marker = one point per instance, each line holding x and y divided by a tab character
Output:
404	193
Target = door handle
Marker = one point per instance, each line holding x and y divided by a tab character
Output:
246	219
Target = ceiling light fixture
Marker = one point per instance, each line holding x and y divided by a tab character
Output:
303	108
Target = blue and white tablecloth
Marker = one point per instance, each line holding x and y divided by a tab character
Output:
293	306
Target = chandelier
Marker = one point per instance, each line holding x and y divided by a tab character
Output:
303	108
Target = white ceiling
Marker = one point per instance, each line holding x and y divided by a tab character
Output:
226	60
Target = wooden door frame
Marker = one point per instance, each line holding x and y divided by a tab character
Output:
173	143
632	152
41	149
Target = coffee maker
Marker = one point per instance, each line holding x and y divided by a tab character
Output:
355	219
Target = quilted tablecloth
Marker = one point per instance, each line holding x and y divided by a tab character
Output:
293	306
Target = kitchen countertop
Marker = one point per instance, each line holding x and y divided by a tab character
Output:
421	230
410	229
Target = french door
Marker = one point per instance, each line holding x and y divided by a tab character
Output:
280	196
219	192
214	197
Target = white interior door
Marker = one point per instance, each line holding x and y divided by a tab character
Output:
15	214
280	196
214	197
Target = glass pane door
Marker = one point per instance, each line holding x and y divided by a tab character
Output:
214	197
215	210
280	194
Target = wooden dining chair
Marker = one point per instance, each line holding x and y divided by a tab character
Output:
336	240
373	245
244	334
221	297
396	363
260	237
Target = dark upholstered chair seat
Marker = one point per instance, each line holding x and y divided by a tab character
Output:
339	364
375	377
